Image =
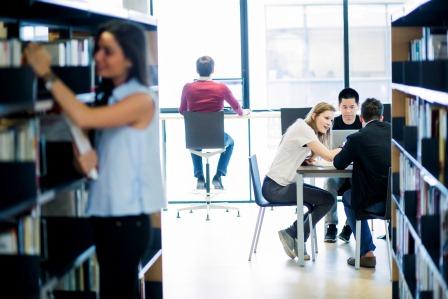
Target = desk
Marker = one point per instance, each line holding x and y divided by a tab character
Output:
312	172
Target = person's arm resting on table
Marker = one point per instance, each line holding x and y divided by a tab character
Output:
320	150
345	156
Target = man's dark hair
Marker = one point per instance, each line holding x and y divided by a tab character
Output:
205	66
348	93
371	109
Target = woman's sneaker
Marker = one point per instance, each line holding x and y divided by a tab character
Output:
288	243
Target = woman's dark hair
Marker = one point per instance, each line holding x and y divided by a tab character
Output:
132	41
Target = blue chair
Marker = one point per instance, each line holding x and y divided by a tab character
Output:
263	203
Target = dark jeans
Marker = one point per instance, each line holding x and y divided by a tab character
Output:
224	159
120	243
318	200
366	237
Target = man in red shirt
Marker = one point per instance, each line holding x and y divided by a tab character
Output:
206	95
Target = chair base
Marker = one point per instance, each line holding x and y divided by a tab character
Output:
208	206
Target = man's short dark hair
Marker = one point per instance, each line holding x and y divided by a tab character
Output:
205	66
371	109
348	93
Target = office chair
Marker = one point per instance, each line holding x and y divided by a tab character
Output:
263	203
365	215
289	115
204	137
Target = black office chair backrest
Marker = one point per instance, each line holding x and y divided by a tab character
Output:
386	113
289	115
256	182
387	212
204	130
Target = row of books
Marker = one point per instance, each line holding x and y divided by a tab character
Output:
427	286
424	133
22	237
404	244
74	52
426	208
419	272
18	140
419	196
432	45
10	53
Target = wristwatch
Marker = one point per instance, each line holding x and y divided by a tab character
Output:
49	79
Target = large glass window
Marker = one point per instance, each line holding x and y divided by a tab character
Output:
295	53
370	49
186	31
190	29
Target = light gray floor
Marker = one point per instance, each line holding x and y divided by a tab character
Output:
210	260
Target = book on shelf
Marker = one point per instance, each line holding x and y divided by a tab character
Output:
443	262
3	31
432	45
73	52
436	43
18	140
21	236
8	241
10	53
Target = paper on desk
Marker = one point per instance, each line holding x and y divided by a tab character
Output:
323	163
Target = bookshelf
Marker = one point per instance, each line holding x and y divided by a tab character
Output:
419	150
52	254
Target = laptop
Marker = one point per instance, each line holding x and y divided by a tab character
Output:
338	137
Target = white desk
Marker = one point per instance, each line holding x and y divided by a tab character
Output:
312	172
261	114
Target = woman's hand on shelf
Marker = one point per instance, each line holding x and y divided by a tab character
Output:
38	58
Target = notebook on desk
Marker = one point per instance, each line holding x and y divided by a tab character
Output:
338	137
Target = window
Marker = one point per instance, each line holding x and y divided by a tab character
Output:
295	53
190	29
369	44
186	31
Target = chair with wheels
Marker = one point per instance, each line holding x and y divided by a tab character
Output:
204	137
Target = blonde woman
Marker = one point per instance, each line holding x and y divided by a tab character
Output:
302	143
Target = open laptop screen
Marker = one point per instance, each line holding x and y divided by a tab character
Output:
338	137
236	87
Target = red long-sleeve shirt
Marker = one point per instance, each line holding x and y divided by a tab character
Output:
207	96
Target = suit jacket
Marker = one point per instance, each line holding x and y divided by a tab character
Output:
369	150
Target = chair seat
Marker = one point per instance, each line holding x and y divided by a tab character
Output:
366	215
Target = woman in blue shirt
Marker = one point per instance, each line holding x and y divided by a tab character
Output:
129	185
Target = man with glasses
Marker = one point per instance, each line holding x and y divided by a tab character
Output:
348	120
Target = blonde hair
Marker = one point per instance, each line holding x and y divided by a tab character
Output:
318	109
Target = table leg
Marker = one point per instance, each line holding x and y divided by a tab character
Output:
300	232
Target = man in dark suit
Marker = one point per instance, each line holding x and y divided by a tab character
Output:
369	150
